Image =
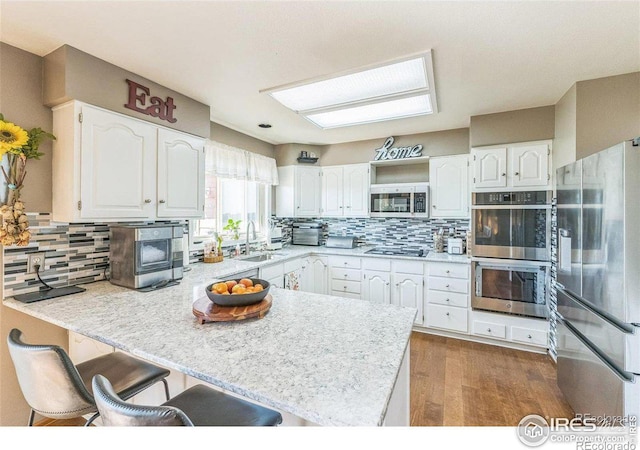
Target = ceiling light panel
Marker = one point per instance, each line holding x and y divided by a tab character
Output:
374	112
396	78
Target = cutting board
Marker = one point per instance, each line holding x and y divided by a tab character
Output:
207	311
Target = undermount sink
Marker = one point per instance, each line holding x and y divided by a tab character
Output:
262	257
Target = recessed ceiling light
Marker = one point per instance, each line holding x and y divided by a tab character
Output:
360	96
264	125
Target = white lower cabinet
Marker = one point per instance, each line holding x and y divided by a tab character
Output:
345	276
408	290
376	286
516	329
274	274
447	297
447	318
315	275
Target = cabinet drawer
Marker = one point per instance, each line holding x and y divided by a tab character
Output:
293	265
383	265
412	267
345	294
447	318
345	274
449	285
449	270
346	262
489	329
277	270
346	286
529	336
448	298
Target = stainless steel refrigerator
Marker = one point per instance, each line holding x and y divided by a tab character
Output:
598	282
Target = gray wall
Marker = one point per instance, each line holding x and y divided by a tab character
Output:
73	74
564	143
607	112
225	135
21	102
532	124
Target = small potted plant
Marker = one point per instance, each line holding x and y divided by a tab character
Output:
233	226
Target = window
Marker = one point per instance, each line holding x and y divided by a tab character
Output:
227	198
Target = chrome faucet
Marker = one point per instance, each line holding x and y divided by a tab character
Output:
251	225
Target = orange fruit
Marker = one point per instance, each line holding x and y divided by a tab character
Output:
258	287
238	289
246	282
225	293
231	284
220	288
250	290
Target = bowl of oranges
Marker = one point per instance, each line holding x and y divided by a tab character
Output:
245	291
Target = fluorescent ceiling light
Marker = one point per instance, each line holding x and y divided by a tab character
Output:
373	112
401	88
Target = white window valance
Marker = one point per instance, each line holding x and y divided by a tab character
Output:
231	162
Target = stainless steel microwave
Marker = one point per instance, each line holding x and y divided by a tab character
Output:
400	200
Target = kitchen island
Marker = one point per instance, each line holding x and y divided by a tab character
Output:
318	359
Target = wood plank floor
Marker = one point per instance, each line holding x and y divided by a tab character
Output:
461	383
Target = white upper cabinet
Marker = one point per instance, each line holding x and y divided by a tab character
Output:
180	175
514	166
529	165
345	191
107	166
118	163
298	192
449	184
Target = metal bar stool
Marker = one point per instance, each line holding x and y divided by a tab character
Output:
197	406
56	388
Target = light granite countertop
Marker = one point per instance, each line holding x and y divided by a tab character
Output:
328	360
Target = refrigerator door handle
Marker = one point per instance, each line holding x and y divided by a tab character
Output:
627	378
564	250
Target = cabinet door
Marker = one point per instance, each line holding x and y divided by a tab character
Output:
118	166
332	192
490	167
449	183
317	270
376	286
529	165
307	192
409	291
180	175
356	190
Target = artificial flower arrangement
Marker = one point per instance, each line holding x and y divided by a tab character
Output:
19	145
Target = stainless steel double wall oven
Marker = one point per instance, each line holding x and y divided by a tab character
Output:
510	241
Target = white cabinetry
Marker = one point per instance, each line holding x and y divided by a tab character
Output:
345	191
447	298
519	330
394	282
298	191
107	166
523	165
315	275
274	274
345	276
449	184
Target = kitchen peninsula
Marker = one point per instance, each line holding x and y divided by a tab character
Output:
318	359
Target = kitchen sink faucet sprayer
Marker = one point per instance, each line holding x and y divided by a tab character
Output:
247	245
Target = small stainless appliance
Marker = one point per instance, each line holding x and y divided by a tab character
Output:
306	233
401	251
142	256
598	286
510	286
341	242
400	200
512	225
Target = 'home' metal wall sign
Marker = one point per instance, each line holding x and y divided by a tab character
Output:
387	151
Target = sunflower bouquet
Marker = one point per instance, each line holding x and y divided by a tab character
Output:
19	145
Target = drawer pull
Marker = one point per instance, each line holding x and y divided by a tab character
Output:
447	286
447	314
345	275
446	300
488	330
447	271
387	283
345	263
147	200
529	336
345	288
161	201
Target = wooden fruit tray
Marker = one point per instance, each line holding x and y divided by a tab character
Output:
207	311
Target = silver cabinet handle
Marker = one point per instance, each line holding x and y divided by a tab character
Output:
345	275
434	206
517	173
161	201
447	271
387	283
447	314
447	286
346	263
147	200
446	300
297	207
345	288
397	284
529	336
488	330
341	207
504	174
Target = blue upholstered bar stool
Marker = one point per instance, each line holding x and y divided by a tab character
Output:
197	406
56	388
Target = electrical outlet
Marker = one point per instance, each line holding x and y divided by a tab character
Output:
35	259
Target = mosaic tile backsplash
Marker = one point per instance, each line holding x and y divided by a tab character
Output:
383	232
74	254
